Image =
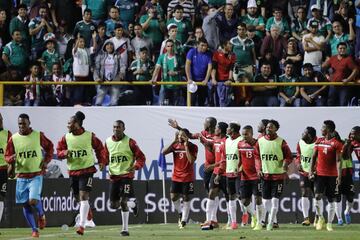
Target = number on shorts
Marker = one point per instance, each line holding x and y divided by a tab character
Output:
89	183
3	187
191	187
352	188
279	189
127	188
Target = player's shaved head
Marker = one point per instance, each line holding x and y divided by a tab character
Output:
120	122
212	121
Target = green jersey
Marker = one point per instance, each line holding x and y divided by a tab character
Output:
50	58
147	66
254	21
288	90
167	64
184	28
243	49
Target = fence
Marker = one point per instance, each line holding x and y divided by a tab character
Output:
188	97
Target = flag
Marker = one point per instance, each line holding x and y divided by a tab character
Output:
162	159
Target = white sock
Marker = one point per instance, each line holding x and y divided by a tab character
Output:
185	211
232	208
250	209
319	207
1	209
274	210
305	205
267	208
259	212
228	212
331	214
84	209
177	205
338	210
209	209
215	208
125	220
242	207
349	206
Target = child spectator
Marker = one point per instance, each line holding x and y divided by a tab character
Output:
32	92
50	55
60	93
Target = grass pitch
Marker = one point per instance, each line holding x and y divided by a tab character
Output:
192	231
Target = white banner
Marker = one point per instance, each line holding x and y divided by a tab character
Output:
147	125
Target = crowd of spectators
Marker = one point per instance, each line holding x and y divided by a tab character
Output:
215	42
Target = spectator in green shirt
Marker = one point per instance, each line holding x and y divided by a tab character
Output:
184	27
21	22
50	56
289	95
85	28
279	21
15	54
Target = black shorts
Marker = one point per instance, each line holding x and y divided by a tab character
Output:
81	183
232	185
305	182
221	185
272	188
347	186
121	188
3	182
249	188
207	177
184	188
326	185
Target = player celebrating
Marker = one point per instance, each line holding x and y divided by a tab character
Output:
346	187
304	153
25	158
77	147
326	161
184	154
4	138
272	158
231	165
123	156
218	178
250	184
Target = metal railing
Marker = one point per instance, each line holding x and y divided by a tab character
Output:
188	97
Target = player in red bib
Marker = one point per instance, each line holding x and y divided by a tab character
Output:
184	153
326	162
304	152
218	178
262	127
347	185
250	184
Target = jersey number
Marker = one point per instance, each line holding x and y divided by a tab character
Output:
249	154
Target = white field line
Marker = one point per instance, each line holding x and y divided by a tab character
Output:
72	233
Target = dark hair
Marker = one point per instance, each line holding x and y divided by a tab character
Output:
202	40
169	41
308	65
212	121
79	117
276	123
266	63
118	25
264	122
34	63
15	30
101	24
242	25
20	6
234	126
224	42
277	9
330	125
143	49
88	10
120	122
178	7
337	136
186	131
114	7
311	131
341	44
287	62
137	24
248	127
25	116
356	129
223	127
43	6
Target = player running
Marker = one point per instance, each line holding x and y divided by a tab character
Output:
218	178
326	163
304	153
231	166
24	154
346	187
123	156
249	183
272	158
4	138
184	154
77	147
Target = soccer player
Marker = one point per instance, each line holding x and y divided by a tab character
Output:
123	156
184	154
304	153
346	187
24	154
231	165
205	135
77	147
262	127
326	161
218	177
272	158
4	138
250	184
